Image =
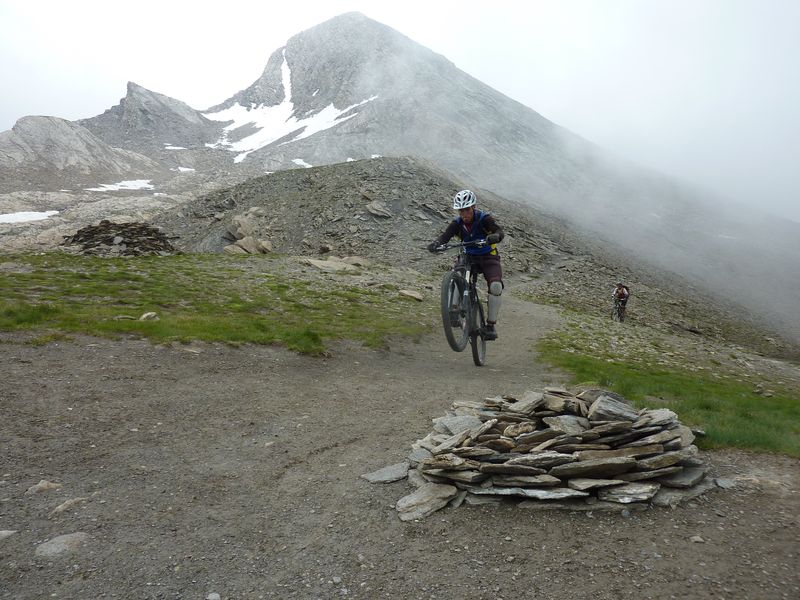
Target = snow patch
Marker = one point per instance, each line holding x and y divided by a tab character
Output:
276	122
170	147
22	217
133	184
183	169
300	162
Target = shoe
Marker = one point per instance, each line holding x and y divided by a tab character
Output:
489	332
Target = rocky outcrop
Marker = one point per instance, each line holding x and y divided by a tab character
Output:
44	152
553	449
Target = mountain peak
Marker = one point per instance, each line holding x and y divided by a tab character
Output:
146	121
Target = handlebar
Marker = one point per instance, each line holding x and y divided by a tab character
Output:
449	246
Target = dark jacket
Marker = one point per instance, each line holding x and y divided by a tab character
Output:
482	225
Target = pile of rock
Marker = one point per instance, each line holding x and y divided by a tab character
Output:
591	451
120	239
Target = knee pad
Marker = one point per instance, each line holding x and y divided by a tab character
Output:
496	288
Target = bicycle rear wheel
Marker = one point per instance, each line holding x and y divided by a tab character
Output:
476	338
454	314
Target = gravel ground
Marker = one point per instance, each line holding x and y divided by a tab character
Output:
210	470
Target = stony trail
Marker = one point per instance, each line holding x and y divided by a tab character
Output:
208	469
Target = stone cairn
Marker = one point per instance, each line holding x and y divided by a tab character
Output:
556	450
120	239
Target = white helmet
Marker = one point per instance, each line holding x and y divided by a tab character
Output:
464	199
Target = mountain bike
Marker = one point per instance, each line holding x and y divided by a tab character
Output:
462	311
618	312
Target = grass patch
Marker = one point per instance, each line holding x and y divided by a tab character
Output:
198	297
730	413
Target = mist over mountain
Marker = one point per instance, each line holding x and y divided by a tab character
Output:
352	88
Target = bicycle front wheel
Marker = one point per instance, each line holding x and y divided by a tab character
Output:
615	313
476	338
454	314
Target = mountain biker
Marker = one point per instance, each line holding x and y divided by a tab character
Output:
470	225
621	294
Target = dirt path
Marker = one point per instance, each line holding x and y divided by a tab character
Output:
208	469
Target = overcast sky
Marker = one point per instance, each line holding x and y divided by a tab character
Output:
708	90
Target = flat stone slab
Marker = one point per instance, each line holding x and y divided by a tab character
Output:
601	467
637	452
660	461
537	437
474	500
672	496
546	459
658	416
525	480
411	294
474	452
61	544
417	455
539	494
657	438
329	266
583	484
642	475
42	486
606	408
453	441
460	476
449	462
456	424
609	428
388	474
581	505
529	402
425	501
569	424
684	479
630	492
507	469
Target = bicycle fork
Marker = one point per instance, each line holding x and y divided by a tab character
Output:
465	299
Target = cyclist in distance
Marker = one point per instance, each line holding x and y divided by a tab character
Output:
470	225
621	294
